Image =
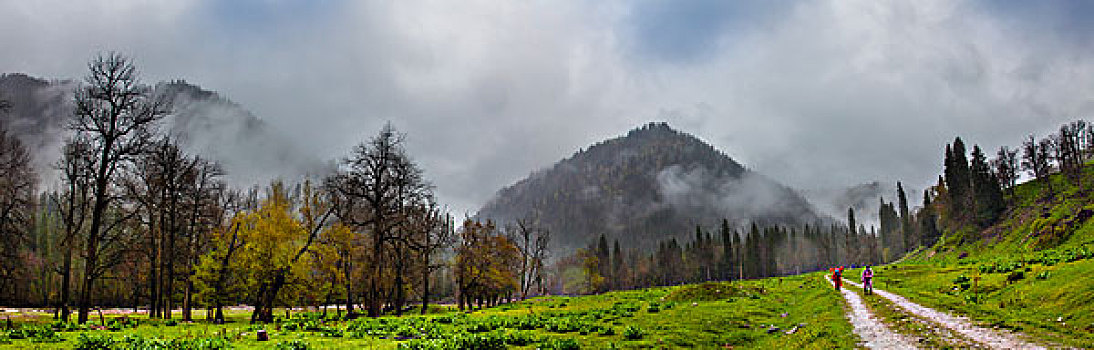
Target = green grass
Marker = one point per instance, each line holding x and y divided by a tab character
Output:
1031	272
1030	305
709	315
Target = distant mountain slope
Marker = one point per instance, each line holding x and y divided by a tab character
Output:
204	122
652	184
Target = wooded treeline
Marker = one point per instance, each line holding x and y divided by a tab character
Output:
137	222
974	193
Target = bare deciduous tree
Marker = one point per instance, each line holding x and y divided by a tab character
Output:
1036	158
17	194
373	191
532	241
74	206
115	113
1005	165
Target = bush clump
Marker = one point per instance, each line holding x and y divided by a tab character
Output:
87	341
560	344
633	333
295	344
709	291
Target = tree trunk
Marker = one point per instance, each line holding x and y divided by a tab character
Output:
219	317
186	301
349	292
400	293
66	284
425	287
266	298
374	280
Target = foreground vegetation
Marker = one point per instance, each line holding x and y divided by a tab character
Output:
799	311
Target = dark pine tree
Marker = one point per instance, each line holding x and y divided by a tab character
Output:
603	257
958	181
988	196
726	266
851	218
753	253
906	228
617	266
738	256
928	221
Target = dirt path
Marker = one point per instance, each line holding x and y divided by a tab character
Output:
992	338
874	334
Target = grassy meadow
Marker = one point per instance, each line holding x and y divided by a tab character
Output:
789	312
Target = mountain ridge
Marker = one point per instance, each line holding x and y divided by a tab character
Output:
203	121
653	183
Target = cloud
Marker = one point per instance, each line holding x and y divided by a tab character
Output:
813	94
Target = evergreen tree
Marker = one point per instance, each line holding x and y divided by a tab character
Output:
753	252
618	269
603	257
851	218
890	231
927	221
774	238
988	196
905	219
737	261
726	268
958	182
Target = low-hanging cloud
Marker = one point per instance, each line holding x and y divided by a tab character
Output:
742	200
816	95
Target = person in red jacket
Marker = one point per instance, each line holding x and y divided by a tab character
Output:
837	277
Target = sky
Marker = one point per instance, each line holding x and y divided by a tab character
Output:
814	94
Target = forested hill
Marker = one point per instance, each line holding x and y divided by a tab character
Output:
645	187
206	123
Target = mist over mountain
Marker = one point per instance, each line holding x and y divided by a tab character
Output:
863	197
650	185
204	123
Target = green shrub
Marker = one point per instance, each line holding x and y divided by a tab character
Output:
1016	275
332	332
560	344
209	344
87	341
654	307
528	322
564	324
633	333
171	323
295	344
36	334
520	338
443	319
962	282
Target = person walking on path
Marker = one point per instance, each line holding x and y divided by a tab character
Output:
868	280
837	277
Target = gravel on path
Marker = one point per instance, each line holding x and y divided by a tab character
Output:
995	339
874	333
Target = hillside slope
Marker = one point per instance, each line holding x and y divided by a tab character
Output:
1032	272
652	184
